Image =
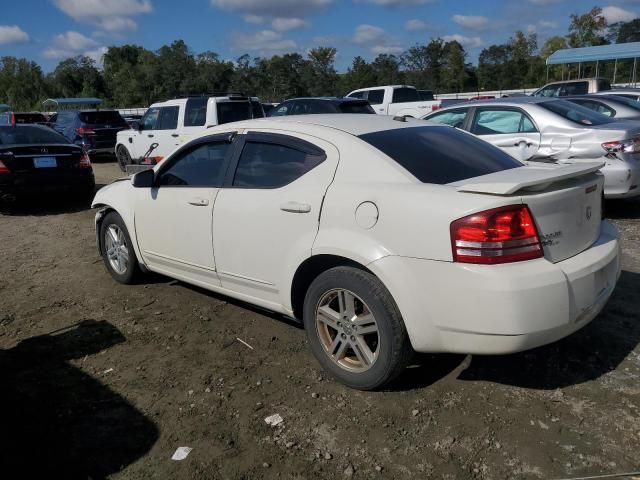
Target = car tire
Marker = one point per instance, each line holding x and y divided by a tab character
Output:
341	346
123	157
121	264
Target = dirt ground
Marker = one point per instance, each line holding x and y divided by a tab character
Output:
134	372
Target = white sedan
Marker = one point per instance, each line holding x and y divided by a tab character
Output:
383	236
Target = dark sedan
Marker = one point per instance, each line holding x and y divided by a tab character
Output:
315	105
34	159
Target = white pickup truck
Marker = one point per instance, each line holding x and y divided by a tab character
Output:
167	125
397	100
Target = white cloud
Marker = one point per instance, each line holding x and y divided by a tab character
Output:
12	34
376	39
97	55
255	19
397	3
542	25
70	44
285	24
110	15
467	42
473	22
273	8
264	42
617	14
545	2
415	25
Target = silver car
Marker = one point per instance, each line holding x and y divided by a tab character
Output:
613	106
630	93
554	130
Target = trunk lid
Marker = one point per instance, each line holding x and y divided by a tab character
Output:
21	159
565	201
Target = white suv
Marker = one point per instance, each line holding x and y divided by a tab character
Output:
171	123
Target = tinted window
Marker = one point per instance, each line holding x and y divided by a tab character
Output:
168	118
282	109
105	117
440	154
256	109
29	134
575	113
233	111
200	166
29	118
574	88
401	95
268	165
455	118
356	95
305	107
494	121
195	113
356	107
375	97
548	91
426	95
150	119
596	107
603	84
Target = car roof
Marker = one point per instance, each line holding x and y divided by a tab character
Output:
329	99
353	124
508	102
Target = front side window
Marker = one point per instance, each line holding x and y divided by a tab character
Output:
495	121
454	118
168	118
375	97
150	119
200	166
270	165
440	155
195	113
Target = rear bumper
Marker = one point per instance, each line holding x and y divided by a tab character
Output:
478	309
29	184
621	178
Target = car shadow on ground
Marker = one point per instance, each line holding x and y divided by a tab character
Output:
628	209
588	354
46	205
59	422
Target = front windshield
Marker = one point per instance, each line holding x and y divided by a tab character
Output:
575	113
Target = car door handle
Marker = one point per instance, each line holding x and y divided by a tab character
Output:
199	202
295	207
150	135
520	143
175	135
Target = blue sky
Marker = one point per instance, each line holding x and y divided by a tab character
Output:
48	31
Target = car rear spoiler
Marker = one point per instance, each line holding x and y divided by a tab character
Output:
533	176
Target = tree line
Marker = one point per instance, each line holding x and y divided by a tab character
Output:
133	76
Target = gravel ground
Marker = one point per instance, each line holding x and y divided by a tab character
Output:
102	380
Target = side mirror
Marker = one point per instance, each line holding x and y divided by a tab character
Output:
143	179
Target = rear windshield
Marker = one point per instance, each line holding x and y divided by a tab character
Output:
233	111
104	117
29	135
355	107
29	118
575	113
440	154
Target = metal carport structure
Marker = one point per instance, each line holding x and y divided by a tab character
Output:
616	51
71	102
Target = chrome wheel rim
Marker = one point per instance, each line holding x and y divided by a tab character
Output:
347	330
116	248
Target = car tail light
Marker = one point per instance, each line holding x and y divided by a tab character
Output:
500	235
631	145
436	106
3	168
84	131
85	162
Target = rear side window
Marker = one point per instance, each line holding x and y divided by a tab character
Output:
233	111
402	95
199	166
575	113
454	118
596	107
30	135
375	97
195	113
440	155
356	107
168	118
269	165
497	121
104	117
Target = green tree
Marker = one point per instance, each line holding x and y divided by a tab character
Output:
454	72
22	84
423	64
76	77
359	75
320	73
386	69
625	32
588	29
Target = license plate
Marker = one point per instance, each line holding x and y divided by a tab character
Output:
45	162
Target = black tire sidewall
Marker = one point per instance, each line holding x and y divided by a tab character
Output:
122	163
393	341
128	277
